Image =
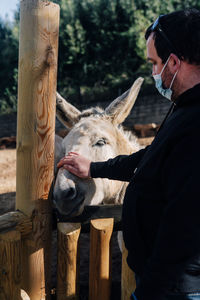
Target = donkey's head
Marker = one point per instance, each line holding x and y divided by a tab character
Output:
96	134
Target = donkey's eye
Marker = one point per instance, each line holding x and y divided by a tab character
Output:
100	142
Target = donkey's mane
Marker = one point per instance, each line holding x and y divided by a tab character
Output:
93	111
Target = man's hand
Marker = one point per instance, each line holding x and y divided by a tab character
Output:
76	164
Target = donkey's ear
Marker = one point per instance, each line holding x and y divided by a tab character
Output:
66	113
120	108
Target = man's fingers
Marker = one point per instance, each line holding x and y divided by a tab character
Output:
71	169
64	160
75	164
60	163
73	153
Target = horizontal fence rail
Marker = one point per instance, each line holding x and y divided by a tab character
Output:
95	212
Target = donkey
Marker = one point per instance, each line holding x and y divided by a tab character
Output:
98	135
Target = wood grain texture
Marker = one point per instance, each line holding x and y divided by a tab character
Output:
100	259
68	266
128	284
38	51
10	265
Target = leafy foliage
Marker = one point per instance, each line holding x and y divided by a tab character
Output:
8	66
101	47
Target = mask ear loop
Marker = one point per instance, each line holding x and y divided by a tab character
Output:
175	75
165	65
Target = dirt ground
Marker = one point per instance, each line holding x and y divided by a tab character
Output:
8	170
7	180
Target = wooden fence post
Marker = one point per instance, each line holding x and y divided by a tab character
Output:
38	50
10	265
100	259
128	284
68	266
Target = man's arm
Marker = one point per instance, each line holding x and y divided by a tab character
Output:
119	168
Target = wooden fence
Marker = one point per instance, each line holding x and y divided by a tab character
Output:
25	234
15	231
100	221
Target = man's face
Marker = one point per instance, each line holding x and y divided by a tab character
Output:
157	64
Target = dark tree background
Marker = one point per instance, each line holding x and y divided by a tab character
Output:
101	48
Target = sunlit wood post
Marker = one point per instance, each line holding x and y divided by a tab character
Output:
38	51
128	284
68	261
100	259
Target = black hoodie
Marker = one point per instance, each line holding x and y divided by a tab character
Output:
161	210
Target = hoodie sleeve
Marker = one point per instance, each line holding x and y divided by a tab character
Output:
119	168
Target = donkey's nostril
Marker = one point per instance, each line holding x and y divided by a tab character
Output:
70	193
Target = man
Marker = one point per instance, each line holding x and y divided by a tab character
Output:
161	211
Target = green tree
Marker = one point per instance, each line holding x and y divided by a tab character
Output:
101	47
8	64
94	46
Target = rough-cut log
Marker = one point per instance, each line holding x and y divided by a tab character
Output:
100	259
67	269
128	284
92	212
10	265
15	220
38	48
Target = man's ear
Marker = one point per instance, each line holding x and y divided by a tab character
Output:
174	63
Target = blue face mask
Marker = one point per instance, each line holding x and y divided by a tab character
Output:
167	93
